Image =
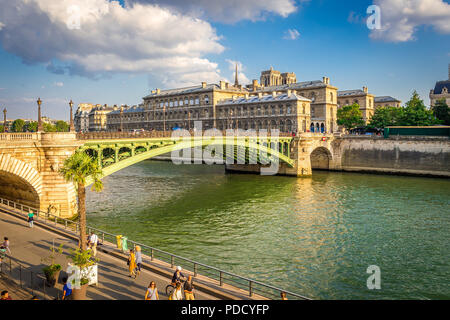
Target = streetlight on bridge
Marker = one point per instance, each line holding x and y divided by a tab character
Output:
40	128
4	119
71	127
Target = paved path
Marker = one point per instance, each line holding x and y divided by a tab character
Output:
28	246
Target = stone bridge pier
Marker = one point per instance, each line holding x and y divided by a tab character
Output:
29	170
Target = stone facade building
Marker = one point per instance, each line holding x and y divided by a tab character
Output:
362	97
441	91
97	117
81	117
387	101
127	118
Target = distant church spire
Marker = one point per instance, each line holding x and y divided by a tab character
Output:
236	81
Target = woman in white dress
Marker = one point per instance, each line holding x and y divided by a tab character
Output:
177	293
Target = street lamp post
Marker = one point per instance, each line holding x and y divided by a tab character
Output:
4	120
164	118
121	119
40	128
71	127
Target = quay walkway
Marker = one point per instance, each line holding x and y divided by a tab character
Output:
28	246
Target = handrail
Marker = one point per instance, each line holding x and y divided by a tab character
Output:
250	282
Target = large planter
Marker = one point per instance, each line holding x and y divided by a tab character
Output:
51	277
80	294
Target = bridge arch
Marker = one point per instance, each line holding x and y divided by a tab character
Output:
320	158
20	182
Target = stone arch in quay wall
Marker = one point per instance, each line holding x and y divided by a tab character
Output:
20	182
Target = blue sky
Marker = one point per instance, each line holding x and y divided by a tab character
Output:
119	64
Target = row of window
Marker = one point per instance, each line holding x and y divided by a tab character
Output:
187	101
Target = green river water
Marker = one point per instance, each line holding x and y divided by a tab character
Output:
313	236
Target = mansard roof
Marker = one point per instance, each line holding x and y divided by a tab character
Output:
295	86
441	85
133	109
264	98
185	90
345	93
386	99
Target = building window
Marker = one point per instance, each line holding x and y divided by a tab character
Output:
206	99
197	101
191	101
186	101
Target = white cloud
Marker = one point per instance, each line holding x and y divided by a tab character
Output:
400	19
138	38
229	11
1	25
242	78
291	34
59	84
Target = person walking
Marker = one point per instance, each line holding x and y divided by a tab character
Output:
67	290
5	245
138	260
5	295
92	243
189	289
152	292
132	263
177	294
30	219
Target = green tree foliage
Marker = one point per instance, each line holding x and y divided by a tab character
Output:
77	168
61	126
2	128
48	127
32	126
442	111
350	116
18	125
386	116
416	113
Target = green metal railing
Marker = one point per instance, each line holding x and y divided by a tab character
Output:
222	277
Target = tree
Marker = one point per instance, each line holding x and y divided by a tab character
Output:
2	128
48	127
17	125
385	116
61	126
441	111
32	126
350	116
76	169
416	113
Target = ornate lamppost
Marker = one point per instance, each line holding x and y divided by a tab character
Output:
164	121
4	119
71	127
40	128
121	119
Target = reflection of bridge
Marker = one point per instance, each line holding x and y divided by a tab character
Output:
30	162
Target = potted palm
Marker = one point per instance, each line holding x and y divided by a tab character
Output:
82	269
52	270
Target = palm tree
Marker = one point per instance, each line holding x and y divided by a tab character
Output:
76	169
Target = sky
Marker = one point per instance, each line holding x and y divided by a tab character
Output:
116	52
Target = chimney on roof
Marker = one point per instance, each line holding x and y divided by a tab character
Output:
203	84
289	92
246	96
222	85
158	91
255	84
259	95
326	80
365	90
274	94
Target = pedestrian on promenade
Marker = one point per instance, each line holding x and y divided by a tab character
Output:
5	245
30	219
67	290
177	276
138	260
5	295
152	292
132	263
189	289
92	243
177	294
283	296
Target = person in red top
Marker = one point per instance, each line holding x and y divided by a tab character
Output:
5	295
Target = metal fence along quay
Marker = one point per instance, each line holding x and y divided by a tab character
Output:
252	287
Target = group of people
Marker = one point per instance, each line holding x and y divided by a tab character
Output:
177	293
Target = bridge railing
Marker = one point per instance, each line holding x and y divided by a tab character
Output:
197	268
147	134
19	136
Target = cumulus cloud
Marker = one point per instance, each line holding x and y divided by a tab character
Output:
291	34
59	84
242	78
100	37
400	19
1	25
229	11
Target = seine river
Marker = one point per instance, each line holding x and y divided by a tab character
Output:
315	237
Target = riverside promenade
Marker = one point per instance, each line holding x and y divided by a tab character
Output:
29	245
